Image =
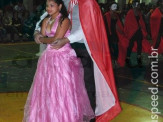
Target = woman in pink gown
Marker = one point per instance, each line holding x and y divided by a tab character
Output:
58	92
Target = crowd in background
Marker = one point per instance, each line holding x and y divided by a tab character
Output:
17	23
135	28
146	10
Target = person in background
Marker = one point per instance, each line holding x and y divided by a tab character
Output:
28	25
156	26
16	22
2	29
7	22
135	31
111	18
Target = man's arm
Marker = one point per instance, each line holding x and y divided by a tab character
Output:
38	28
37	35
76	36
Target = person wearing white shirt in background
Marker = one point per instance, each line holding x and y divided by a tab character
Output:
88	29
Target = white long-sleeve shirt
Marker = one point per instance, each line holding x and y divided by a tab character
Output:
76	32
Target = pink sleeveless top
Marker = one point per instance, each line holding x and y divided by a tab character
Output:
54	27
53	31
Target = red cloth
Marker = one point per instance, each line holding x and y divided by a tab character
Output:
125	34
131	26
123	39
94	29
107	17
122	46
155	21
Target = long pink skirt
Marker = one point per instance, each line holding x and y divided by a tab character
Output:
58	92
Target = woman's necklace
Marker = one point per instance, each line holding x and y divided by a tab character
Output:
51	21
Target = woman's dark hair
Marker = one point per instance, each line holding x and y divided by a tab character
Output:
63	10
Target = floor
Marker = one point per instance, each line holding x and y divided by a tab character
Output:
136	92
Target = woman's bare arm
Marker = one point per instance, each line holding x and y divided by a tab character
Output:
61	30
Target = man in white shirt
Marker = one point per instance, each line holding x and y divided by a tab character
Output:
77	42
